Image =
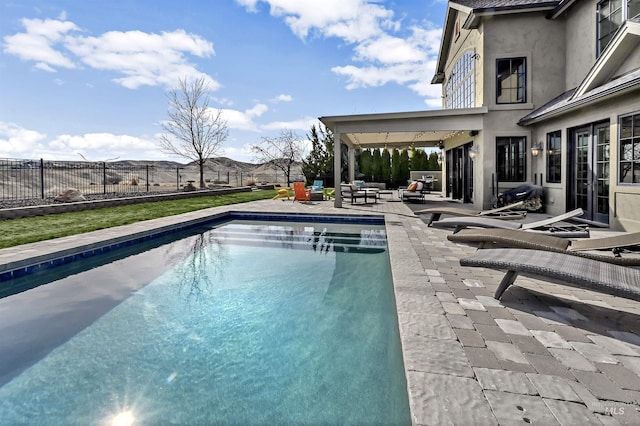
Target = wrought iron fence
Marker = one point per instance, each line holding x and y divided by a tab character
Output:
39	179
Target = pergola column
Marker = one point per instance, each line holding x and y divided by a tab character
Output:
337	165
352	164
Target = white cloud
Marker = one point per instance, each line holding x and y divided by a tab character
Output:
352	20
300	124
283	98
37	43
384	51
140	58
244	120
16	141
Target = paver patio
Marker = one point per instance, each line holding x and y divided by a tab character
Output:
544	354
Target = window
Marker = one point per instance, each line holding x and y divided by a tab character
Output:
554	174
611	15
511	81
629	167
460	88
511	159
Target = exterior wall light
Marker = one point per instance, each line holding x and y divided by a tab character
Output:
473	152
537	149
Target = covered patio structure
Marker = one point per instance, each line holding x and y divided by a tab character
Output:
420	129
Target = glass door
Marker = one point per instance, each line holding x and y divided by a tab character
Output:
589	171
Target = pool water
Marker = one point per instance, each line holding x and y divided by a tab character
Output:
243	323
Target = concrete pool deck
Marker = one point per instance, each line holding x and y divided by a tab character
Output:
544	354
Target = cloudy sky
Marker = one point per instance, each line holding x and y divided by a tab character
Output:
90	78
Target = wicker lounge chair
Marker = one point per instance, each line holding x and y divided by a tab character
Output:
552	225
606	249
565	269
504	212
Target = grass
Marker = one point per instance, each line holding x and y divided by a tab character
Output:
14	232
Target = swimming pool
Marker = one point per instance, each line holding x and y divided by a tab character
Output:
244	322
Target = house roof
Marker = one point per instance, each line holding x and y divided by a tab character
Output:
476	10
504	4
568	102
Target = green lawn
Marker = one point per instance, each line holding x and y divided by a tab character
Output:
14	232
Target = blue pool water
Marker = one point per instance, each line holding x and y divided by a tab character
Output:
240	323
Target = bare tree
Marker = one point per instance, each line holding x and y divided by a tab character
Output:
194	131
280	152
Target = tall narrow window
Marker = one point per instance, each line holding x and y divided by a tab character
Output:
460	87
511	81
554	168
511	158
629	166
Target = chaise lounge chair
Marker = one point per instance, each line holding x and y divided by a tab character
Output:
550	226
606	249
504	212
560	268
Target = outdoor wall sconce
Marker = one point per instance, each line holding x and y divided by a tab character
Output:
473	152
536	149
439	159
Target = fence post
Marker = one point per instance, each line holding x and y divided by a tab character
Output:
147	178
42	178
104	177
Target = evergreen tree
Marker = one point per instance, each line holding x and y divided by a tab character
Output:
404	166
377	165
396	178
386	166
433	162
366	163
319	163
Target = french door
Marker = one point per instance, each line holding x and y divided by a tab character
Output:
460	173
589	171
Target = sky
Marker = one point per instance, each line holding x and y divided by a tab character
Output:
90	78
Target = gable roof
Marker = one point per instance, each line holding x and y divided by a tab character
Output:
476	9
625	41
571	100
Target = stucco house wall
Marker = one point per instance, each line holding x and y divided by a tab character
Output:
580	41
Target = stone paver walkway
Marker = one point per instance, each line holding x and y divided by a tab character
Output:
544	354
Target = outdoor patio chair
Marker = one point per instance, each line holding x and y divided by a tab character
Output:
554	225
354	193
317	186
560	268
281	192
504	212
300	193
606	249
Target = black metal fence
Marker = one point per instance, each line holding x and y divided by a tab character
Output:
38	179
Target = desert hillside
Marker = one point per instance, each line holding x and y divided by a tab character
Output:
21	179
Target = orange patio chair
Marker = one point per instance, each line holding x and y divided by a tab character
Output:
300	193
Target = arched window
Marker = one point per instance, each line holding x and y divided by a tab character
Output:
460	87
